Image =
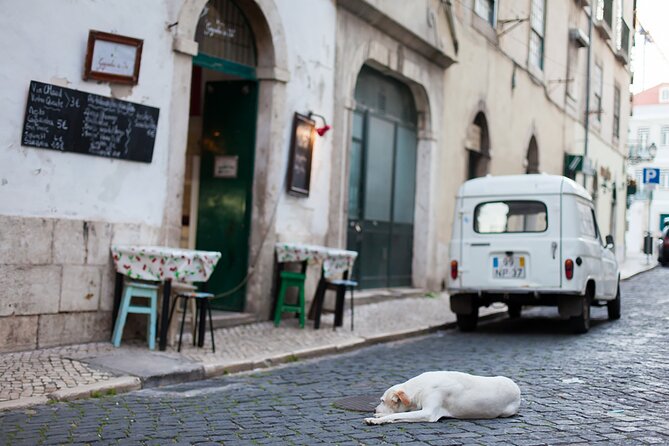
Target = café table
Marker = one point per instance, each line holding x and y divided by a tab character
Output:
161	264
334	263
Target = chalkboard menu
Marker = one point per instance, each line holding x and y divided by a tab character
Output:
68	120
301	149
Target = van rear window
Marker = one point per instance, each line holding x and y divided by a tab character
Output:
498	217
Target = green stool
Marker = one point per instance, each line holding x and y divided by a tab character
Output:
137	289
290	279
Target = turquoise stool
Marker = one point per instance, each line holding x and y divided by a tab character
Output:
137	289
290	279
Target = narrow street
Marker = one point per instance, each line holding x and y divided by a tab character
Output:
604	388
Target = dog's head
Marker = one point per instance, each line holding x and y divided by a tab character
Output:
394	400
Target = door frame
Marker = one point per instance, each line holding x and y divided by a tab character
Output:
241	73
272	74
366	113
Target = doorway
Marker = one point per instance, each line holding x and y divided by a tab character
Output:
382	181
220	154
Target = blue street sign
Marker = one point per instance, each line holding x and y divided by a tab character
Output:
651	175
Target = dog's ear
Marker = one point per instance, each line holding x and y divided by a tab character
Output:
403	397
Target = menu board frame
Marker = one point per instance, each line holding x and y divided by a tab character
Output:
113	58
301	153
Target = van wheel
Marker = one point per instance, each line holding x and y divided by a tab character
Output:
514	310
613	307
467	322
581	324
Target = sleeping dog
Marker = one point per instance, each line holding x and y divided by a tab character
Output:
434	395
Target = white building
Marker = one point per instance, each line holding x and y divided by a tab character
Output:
648	148
421	96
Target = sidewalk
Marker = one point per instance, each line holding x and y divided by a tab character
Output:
85	370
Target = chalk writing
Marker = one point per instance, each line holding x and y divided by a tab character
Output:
63	119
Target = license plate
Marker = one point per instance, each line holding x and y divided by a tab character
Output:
508	267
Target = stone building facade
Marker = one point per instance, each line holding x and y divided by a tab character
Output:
421	95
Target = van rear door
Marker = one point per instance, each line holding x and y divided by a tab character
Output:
511	243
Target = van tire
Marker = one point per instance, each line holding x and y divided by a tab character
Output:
514	310
613	307
581	324
467	322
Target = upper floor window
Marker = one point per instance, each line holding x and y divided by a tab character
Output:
537	23
597	80
486	10
642	136
664	136
664	94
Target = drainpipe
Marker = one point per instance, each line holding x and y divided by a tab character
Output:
587	90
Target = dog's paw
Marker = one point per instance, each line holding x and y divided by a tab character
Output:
371	421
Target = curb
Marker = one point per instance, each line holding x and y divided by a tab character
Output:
110	386
634	274
23	403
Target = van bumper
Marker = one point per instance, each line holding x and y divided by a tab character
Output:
467	301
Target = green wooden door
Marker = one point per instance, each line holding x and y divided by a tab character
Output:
224	213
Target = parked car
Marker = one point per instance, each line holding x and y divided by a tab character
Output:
663	247
530	240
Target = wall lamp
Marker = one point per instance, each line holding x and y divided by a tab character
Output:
320	130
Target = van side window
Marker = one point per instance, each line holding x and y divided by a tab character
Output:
587	220
497	217
599	234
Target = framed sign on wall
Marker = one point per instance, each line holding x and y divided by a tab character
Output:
301	151
113	58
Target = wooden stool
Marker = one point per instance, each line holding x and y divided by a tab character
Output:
290	279
202	301
137	289
340	286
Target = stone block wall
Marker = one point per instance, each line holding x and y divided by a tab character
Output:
57	279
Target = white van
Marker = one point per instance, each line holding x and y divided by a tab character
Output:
530	240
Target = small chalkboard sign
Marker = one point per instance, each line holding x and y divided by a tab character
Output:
301	147
67	120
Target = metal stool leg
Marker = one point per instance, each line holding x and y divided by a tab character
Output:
183	320
211	326
351	308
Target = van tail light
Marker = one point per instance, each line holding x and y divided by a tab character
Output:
665	242
569	269
454	269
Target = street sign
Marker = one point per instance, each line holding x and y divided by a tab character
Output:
573	163
651	175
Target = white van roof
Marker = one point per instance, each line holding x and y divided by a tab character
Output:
530	184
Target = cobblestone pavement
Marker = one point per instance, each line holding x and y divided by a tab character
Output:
607	387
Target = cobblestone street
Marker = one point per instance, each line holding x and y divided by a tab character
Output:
605	387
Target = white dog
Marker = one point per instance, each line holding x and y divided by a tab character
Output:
433	395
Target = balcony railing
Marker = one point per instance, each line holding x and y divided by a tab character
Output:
604	17
639	151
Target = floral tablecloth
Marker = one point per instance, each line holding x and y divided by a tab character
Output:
335	261
162	263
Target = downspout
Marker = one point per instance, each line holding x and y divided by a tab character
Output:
587	93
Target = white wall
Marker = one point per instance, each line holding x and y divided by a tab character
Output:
44	40
310	39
